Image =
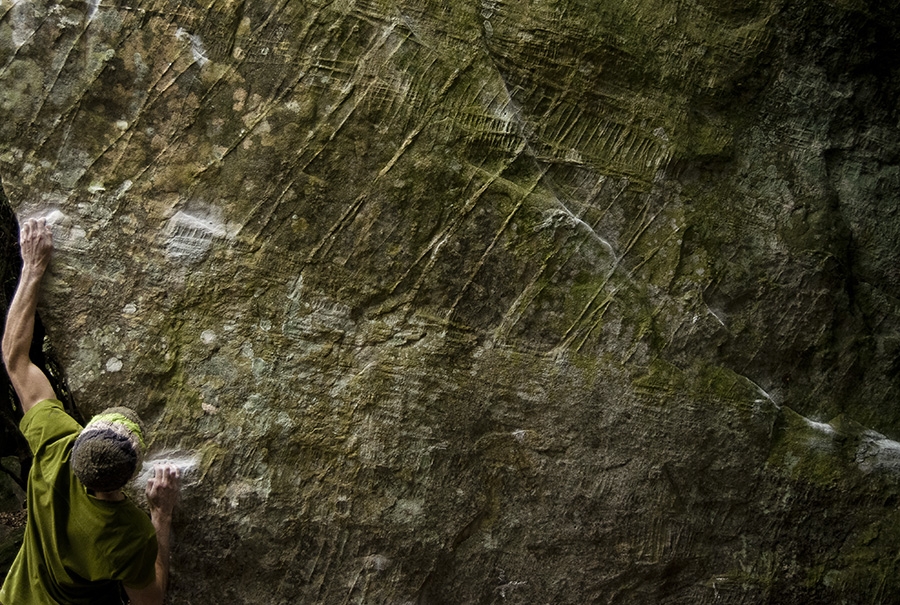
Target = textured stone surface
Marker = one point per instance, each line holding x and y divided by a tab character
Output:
482	302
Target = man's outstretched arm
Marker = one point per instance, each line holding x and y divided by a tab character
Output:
162	494
30	383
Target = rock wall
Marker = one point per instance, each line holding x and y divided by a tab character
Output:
477	302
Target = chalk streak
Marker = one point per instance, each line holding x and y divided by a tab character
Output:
187	464
645	224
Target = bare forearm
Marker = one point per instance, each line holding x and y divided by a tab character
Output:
155	594
162	493
163	524
20	320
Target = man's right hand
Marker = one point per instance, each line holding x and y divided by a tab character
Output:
163	488
162	494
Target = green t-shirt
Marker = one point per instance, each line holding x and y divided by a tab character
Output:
77	549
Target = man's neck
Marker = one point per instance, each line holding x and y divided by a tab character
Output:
116	496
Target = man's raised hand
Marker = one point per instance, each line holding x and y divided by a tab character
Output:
36	242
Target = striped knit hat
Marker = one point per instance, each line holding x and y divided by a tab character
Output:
110	449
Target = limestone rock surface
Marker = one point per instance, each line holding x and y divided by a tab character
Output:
551	301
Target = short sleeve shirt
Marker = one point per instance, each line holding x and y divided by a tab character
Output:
77	549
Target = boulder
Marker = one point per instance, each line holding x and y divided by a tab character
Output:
444	302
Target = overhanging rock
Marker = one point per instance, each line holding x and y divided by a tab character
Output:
454	302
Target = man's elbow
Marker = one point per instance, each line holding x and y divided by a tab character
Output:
16	351
13	357
8	358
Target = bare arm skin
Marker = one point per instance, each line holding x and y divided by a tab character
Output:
30	383
162	494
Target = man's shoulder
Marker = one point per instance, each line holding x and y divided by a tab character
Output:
41	408
47	421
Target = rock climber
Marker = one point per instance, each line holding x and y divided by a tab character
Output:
85	540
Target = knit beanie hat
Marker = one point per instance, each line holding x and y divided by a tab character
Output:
110	449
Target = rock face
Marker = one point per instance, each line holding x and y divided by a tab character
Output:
482	302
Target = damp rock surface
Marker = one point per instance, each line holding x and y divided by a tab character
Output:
483	302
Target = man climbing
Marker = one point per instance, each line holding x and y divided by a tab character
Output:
84	539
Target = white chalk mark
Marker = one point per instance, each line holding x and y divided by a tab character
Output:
189	237
123	188
24	22
563	217
763	392
822	427
93	6
716	315
197	48
67	236
187	464
877	452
